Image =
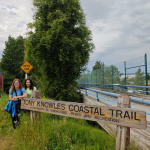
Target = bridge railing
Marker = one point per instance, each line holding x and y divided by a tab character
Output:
118	87
98	94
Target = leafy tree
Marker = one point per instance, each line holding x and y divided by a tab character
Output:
12	59
98	65
139	77
59	47
97	72
112	74
105	74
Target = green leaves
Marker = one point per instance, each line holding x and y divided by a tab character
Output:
12	59
98	65
59	48
139	77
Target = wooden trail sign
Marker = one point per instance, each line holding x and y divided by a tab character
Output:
123	133
112	115
26	67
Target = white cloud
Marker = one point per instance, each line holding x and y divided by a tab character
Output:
120	29
14	17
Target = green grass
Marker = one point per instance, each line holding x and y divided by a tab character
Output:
52	132
61	133
5	120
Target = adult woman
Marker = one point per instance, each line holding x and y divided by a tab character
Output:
15	94
28	85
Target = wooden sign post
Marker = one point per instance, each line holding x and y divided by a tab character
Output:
122	115
123	133
35	115
112	115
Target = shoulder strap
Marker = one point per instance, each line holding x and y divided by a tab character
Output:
15	92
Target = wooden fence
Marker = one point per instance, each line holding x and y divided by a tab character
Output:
122	115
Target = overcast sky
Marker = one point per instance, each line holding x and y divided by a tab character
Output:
120	28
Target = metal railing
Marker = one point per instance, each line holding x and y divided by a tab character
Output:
118	87
134	99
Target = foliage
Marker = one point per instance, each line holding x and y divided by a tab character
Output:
98	65
1	92
97	72
112	75
57	132
5	120
12	60
106	75
139	77
97	76
59	47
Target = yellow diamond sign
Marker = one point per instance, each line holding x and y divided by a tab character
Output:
26	67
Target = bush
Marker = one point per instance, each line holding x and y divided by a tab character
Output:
1	92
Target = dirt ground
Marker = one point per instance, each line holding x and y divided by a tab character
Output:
6	142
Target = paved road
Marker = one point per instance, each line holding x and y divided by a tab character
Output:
139	136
